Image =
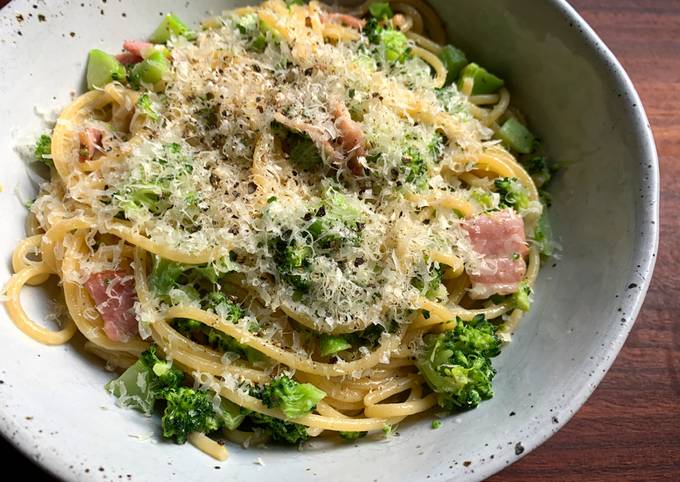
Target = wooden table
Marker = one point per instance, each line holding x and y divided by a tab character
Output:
630	427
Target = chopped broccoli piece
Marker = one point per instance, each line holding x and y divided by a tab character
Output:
298	147
332	344
166	275
395	44
150	71
187	411
171	25
483	197
292	262
229	415
512	193
484	82
436	423
433	288
457	366
521	299
103	69
516	136
290	3
380	10
368	337
295	399
542	236
145	105
454	60
280	430
146	381
351	436
336	222
42	152
415	168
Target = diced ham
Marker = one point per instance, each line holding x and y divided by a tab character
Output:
137	47
499	239
349	20
127	58
316	134
90	139
351	138
114	295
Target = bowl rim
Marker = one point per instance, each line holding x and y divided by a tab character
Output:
644	252
644	256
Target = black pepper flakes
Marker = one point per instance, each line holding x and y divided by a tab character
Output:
41	18
467	463
519	448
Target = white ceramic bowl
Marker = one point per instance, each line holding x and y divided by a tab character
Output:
577	98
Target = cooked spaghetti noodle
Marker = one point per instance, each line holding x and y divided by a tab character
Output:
304	195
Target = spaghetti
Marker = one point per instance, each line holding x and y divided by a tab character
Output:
304	195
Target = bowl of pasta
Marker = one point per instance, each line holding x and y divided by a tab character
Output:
374	241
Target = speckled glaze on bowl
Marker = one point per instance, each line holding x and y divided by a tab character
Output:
576	97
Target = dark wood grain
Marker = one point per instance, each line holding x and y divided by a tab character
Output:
630	427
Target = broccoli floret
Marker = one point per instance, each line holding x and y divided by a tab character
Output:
146	106
521	299
433	288
436	423
146	381
298	147
457	366
187	411
415	168
166	275
223	306
336	222
395	45
42	152
352	436
368	337
512	193
280	430
542	172
293	398
292	262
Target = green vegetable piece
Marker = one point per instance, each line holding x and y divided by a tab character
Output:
42	152
330	344
304	153
145	381
145	105
290	3
436	423
395	44
512	193
229	415
521	299
457	366
352	436
484	81
454	60
516	136
171	25
280	430
103	69
433	288
542	236
132	388
295	399
380	10
187	411
152	70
